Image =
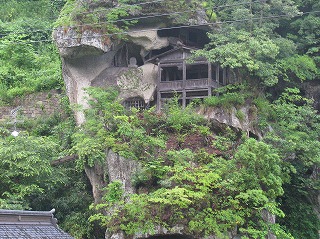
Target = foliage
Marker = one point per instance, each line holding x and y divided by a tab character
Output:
26	170
279	53
255	49
71	198
300	67
304	31
298	125
300	218
295	136
26	71
206	193
218	193
245	177
109	126
229	96
119	17
29	63
181	119
81	17
224	192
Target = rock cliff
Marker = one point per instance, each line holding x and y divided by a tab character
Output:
91	57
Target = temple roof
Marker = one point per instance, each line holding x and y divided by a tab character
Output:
177	54
30	224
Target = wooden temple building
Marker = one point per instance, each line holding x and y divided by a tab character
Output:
188	79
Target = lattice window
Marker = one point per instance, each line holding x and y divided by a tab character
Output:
135	102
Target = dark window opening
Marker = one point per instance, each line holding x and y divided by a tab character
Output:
197	72
169	95
173	73
135	102
252	135
197	94
193	38
213	72
197	37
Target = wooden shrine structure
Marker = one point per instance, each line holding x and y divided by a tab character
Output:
188	79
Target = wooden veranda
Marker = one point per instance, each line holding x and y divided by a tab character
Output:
178	76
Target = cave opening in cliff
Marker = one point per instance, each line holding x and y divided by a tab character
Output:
170	236
128	55
186	35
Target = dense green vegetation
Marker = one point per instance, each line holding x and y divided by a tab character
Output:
30	63
193	173
208	179
185	184
29	60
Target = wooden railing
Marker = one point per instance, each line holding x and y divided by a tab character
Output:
197	83
189	84
170	85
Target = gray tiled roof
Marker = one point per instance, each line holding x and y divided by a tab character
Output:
16	224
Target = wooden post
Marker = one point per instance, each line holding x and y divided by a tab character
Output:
217	73
184	79
158	90
209	79
224	78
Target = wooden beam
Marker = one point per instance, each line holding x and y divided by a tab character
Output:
158	89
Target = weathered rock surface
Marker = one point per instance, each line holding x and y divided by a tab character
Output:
244	118
78	74
148	39
121	169
312	89
96	175
90	61
72	44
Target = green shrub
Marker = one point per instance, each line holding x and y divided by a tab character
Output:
240	115
180	119
229	96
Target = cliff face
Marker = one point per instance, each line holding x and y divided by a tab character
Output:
91	57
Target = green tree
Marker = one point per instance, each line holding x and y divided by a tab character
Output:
249	43
185	187
296	128
25	169
29	59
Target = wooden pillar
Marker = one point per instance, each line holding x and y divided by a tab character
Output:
158	90
217	77
184	79
217	73
224	78
209	79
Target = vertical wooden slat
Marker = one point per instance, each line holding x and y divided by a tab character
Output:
217	73
184	78
209	79
158	90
